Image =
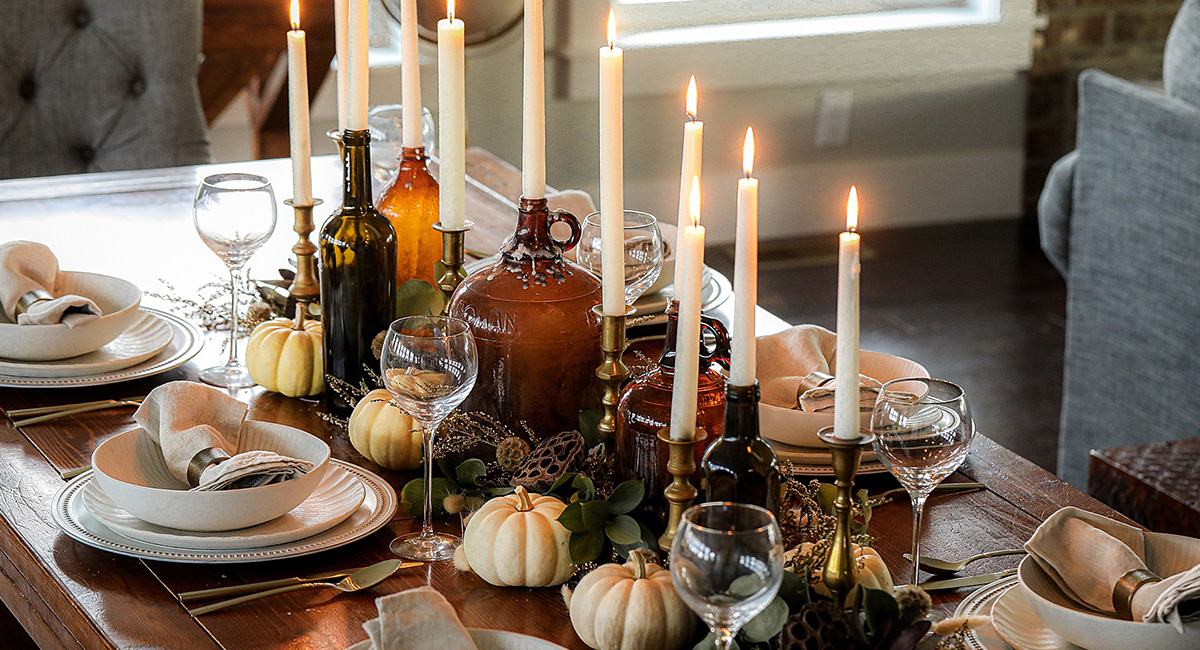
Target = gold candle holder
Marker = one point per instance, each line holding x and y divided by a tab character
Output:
841	573
305	287
612	371
681	463
453	242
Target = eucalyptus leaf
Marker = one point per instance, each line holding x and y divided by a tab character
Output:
626	496
572	518
561	481
595	513
623	529
768	623
587	489
745	586
589	426
413	495
880	609
419	298
470	471
794	591
585	547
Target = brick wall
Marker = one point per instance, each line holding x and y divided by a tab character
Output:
1123	37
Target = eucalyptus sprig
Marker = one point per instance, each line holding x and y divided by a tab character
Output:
596	523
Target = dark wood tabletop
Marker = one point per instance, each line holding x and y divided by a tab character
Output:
138	225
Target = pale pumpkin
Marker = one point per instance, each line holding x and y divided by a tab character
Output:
284	356
872	572
516	541
384	433
631	606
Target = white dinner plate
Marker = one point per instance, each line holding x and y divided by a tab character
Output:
493	640
335	499
146	337
186	341
375	512
1017	624
979	603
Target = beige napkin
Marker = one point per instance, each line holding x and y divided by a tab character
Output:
820	399
185	418
1085	554
417	619
792	365
577	202
29	266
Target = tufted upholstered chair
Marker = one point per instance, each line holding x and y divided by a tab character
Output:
99	85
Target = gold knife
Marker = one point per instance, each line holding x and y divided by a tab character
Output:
968	581
237	590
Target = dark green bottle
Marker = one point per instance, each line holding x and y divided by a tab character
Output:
358	273
740	466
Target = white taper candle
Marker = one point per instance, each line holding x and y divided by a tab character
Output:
687	340
745	272
693	149
301	139
846	415
358	46
533	127
612	180
410	75
452	119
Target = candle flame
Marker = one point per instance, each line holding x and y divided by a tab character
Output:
612	28
450	9
691	99
295	14
694	201
748	153
852	210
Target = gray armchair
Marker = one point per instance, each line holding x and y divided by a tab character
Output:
99	85
1120	218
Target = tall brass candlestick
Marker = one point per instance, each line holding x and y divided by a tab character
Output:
306	287
453	242
841	573
681	463
612	371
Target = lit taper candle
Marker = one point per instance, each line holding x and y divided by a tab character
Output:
533	128
358	44
745	271
341	27
612	180
693	145
298	111
410	74
690	263
846	415
452	118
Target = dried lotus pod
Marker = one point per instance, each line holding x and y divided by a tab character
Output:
552	458
510	452
819	625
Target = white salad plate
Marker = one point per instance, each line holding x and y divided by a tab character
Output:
1017	624
980	603
337	497
186	341
146	337
492	640
77	522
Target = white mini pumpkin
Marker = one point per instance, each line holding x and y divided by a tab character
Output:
284	356
384	433
631	606
516	541
872	572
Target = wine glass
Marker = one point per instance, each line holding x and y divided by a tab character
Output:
922	430
386	122
235	215
727	564
643	251
429	366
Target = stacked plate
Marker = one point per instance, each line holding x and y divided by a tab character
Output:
349	504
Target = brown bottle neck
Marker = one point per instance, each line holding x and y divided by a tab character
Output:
532	235
413	155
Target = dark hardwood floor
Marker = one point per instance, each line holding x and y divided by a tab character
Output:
977	304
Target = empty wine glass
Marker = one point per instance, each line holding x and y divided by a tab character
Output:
429	366
387	139
727	564
643	251
922	430
235	216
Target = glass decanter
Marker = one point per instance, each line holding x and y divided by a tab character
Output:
410	203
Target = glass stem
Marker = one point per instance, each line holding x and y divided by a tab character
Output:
234	276
427	441
918	504
724	638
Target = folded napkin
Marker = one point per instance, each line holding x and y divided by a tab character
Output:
417	619
1086	554
577	202
27	267
795	370
820	398
186	418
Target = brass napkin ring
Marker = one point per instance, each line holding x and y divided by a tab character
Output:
202	460
30	299
1127	585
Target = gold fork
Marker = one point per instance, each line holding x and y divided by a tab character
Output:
47	413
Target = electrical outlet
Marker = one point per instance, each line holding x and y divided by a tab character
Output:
832	128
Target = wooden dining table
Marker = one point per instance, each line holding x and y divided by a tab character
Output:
138	225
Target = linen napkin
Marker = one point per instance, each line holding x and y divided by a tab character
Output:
577	202
417	619
27	266
795	370
1086	554
185	418
820	399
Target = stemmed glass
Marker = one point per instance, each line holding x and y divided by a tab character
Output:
643	251
235	216
727	564
429	366
922	430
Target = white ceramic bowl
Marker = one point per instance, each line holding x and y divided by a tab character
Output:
117	299
1166	555
799	428
130	469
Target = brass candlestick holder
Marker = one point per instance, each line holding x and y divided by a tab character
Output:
612	371
680	494
306	287
453	242
840	572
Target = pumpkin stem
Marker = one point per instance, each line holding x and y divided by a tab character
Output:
298	322
524	503
640	559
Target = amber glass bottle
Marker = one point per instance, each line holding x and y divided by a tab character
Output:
740	466
645	407
358	272
410	203
537	337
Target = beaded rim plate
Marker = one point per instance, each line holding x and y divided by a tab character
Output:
186	342
79	524
817	462
979	603
146	337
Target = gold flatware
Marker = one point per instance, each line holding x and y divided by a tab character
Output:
942	567
62	413
72	473
969	581
941	487
357	581
39	410
249	588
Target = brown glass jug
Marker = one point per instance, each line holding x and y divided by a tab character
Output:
645	408
410	203
537	336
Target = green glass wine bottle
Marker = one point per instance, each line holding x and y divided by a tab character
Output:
741	466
